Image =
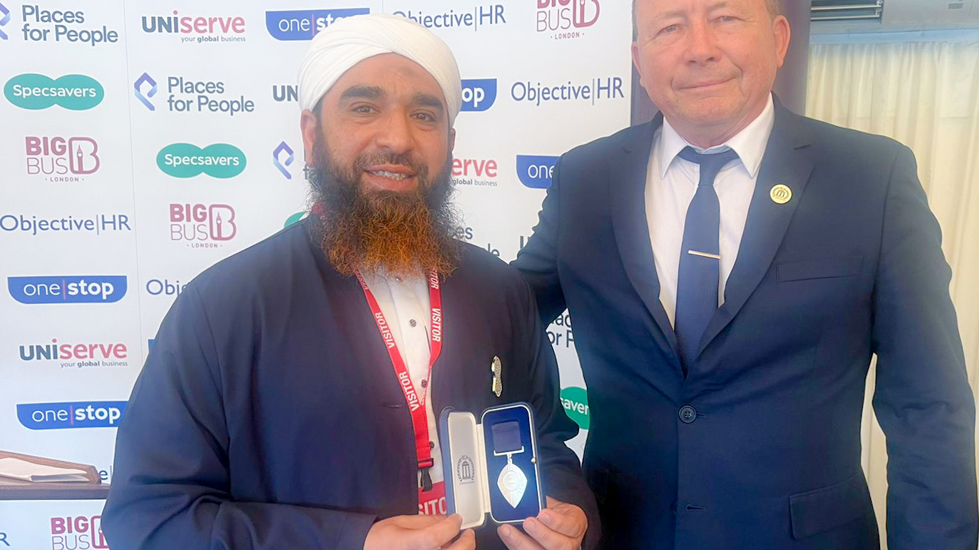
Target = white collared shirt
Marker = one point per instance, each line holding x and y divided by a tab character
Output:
406	306
671	183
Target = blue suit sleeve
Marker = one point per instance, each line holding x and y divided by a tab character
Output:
560	469
538	259
922	399
171	484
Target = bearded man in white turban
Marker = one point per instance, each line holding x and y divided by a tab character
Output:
290	398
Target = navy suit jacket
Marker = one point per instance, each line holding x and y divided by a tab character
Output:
767	456
268	415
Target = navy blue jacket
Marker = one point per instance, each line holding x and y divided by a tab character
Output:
268	415
767	456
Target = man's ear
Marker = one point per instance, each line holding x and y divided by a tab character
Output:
452	140
783	37
308	125
636	62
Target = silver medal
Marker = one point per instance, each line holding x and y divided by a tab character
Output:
512	483
506	442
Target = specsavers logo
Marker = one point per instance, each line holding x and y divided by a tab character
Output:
35	92
575	402
183	160
295	218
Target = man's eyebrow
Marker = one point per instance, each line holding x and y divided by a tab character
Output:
719	5
362	92
680	13
668	15
427	100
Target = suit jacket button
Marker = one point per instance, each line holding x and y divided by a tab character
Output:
687	414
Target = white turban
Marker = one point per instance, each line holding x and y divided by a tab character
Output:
351	40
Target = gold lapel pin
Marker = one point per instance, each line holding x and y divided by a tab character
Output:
781	194
496	367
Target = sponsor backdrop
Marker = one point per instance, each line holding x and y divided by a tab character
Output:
143	142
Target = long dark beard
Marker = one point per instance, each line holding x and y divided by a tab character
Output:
398	233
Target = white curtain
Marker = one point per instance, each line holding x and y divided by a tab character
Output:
925	94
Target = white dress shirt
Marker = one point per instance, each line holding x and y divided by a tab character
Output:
406	306
671	183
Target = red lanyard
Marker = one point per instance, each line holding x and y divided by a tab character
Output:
416	404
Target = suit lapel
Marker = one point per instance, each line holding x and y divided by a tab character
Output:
628	161
785	162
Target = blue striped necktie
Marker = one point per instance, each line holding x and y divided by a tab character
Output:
697	284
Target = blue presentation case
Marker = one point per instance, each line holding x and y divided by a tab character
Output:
474	455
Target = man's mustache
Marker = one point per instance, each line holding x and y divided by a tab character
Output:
406	160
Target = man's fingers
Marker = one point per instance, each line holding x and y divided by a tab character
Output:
565	519
437	535
548	538
515	540
467	541
417	521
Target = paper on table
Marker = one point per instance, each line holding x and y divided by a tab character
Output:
28	471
